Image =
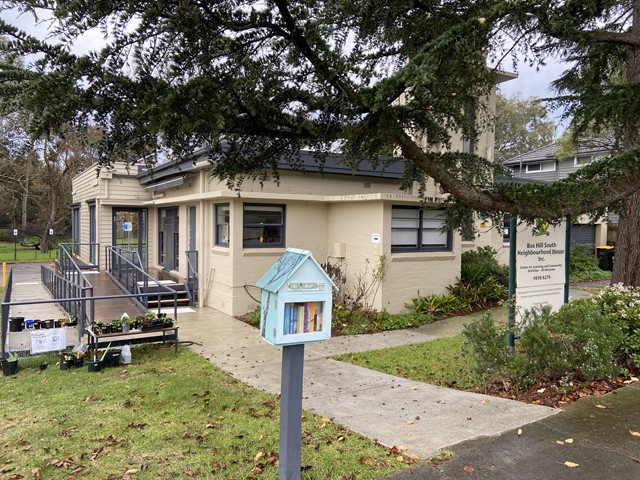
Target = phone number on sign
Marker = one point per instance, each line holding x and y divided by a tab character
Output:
542	277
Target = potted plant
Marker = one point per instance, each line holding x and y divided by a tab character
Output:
116	326
126	322
10	364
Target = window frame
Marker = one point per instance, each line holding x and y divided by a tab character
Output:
217	225
282	226
542	167
420	246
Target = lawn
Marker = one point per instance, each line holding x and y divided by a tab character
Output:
10	252
439	362
163	416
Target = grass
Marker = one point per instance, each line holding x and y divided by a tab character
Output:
10	252
438	362
164	416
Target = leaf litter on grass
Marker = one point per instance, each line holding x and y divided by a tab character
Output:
169	414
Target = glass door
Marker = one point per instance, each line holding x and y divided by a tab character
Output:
130	231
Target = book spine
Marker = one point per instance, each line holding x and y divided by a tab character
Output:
300	321
286	324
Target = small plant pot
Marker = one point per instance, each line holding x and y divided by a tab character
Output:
57	323
69	361
49	323
125	328
112	358
16	324
9	368
37	324
94	365
29	324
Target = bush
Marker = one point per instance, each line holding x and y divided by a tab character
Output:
577	342
438	305
479	295
583	264
480	264
621	305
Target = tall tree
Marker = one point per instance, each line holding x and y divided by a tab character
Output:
601	91
522	125
270	77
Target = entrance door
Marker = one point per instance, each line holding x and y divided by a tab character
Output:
130	230
168	241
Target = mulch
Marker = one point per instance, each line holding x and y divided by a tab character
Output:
551	394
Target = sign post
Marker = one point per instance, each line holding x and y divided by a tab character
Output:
15	244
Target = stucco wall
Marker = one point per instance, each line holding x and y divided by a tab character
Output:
408	273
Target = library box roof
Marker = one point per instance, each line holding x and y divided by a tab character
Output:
293	263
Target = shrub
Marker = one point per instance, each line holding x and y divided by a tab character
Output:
578	341
479	295
438	305
621	305
480	264
583	264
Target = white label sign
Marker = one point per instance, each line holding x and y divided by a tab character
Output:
540	253
48	340
127	227
15	232
535	297
375	238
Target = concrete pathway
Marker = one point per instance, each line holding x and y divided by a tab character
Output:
392	410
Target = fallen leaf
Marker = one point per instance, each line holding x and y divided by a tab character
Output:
469	469
16	476
131	471
631	380
403	448
400	458
541	390
484	402
635	434
571	464
188	473
560	442
35	472
600	406
413	456
569	440
409	422
259	456
366	460
519	431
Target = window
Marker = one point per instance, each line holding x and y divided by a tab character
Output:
222	224
549	166
585	160
262	225
417	230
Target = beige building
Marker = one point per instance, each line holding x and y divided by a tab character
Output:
359	221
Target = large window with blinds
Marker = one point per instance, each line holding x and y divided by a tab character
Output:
415	229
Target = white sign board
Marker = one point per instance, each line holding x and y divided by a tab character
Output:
540	266
127	227
375	238
48	340
15	232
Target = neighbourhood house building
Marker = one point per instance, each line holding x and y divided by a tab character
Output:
353	220
542	165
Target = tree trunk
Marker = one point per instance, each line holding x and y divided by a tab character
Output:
626	266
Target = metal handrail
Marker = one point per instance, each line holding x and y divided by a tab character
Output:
129	277
6	298
192	275
71	283
74	250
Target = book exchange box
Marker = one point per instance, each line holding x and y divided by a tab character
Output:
296	300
